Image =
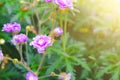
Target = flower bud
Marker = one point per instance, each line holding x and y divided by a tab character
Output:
2	41
15	60
56	32
28	28
1	3
22	1
24	8
52	74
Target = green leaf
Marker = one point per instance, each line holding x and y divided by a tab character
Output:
103	71
115	75
81	62
53	66
70	69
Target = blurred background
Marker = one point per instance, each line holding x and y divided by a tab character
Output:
93	38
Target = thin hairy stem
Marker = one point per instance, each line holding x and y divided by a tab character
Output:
27	55
41	62
65	31
18	62
61	24
20	51
44	76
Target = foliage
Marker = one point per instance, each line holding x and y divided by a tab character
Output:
92	40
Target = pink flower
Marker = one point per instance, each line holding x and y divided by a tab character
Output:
20	38
64	3
58	31
64	76
1	56
31	76
11	27
48	0
41	43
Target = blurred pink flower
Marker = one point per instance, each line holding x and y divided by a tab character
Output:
20	38
31	76
41	42
1	55
64	76
58	31
11	27
48	0
64	3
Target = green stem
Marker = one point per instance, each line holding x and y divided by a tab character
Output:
65	31
39	23
17	46
38	18
41	62
27	55
19	62
53	17
44	76
61	24
32	17
20	51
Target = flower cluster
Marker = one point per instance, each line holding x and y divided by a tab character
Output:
31	76
12	27
20	38
15	28
1	56
41	42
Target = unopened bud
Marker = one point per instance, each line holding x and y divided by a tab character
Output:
24	8
2	41
38	0
3	66
15	60
1	3
28	28
22	1
52	74
53	40
57	32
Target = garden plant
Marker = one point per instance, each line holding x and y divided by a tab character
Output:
59	40
45	43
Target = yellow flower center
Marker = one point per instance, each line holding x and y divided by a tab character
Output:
41	41
65	77
31	78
